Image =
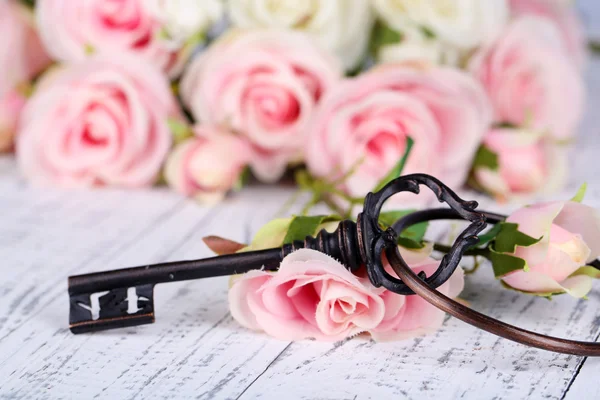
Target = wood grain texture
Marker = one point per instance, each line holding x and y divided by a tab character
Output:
196	350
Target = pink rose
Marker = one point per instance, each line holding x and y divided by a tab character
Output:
21	58
527	164
99	121
208	165
364	124
530	78
410	316
311	296
72	30
564	16
264	85
570	233
11	105
314	296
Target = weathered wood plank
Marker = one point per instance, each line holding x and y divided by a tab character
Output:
196	350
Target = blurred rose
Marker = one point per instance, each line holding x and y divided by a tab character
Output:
208	165
98	121
531	79
464	24
72	30
570	233
311	296
409	316
364	124
11	105
341	26
21	58
527	164
415	46
564	15
182	19
265	86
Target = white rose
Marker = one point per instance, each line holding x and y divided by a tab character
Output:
182	19
415	46
341	26
461	23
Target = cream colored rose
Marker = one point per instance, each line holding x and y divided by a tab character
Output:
341	26
416	46
182	19
461	23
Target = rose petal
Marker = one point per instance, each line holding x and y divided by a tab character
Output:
584	220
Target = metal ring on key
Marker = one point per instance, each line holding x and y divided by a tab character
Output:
464	313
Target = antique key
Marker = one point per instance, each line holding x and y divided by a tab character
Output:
124	297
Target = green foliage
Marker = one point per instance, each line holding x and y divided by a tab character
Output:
270	235
503	264
588	270
397	170
510	237
382	35
243	179
486	158
411	238
179	129
580	193
428	33
490	235
302	226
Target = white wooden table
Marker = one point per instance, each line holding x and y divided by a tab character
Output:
196	350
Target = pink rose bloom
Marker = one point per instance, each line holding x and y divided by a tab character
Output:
21	58
364	123
527	164
102	121
264	85
72	30
314	296
208	165
570	233
564	16
410	316
311	296
11	105
531	79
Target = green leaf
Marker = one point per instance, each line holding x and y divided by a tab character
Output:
580	193
302	226
486	158
243	179
382	35
587	270
427	32
270	235
408	243
489	235
303	179
411	238
397	170
179	129
509	238
504	264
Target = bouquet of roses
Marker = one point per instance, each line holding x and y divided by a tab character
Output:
199	92
350	93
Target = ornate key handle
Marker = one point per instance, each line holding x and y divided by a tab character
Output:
121	298
375	240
